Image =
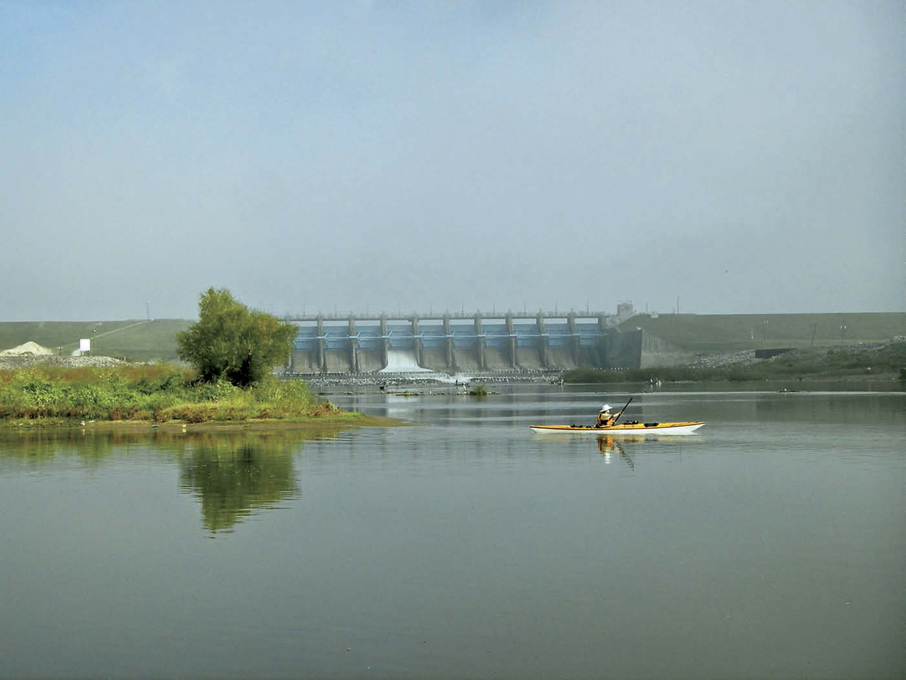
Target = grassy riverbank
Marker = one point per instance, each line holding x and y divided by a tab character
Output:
885	361
163	393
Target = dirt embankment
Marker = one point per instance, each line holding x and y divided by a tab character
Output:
31	353
9	363
868	359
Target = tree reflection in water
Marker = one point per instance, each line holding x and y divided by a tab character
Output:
236	474
233	478
232	473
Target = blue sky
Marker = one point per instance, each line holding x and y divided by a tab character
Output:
744	157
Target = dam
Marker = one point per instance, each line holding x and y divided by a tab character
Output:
454	343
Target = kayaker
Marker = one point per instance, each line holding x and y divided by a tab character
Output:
605	417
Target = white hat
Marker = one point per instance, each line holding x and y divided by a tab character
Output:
605	407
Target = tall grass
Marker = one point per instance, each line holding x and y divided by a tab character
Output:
158	393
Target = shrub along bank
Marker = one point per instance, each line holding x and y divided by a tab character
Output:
158	393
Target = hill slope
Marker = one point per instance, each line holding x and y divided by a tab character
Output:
135	340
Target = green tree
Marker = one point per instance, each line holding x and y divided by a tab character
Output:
231	342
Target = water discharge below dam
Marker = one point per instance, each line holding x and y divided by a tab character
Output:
402	361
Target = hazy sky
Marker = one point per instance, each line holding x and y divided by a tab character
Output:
744	157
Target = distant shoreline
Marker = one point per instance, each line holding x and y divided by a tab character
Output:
138	396
351	419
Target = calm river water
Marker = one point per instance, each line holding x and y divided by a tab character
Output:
770	544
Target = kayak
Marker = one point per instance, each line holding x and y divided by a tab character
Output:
623	428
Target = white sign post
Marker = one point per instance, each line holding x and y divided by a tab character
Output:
84	345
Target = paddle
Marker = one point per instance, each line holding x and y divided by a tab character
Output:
621	411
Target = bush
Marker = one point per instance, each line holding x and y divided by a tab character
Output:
230	342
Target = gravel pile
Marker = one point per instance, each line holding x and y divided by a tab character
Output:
743	358
26	349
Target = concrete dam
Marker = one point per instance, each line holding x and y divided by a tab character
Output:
457	343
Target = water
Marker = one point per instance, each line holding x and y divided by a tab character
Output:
769	544
402	361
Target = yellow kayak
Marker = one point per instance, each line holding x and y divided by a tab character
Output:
623	428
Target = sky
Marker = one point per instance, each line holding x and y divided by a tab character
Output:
715	157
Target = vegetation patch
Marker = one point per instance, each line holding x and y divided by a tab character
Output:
159	393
